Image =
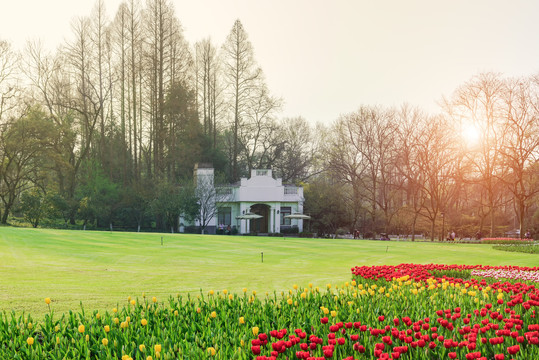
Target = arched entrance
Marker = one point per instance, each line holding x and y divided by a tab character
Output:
260	225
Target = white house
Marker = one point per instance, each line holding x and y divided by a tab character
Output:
260	194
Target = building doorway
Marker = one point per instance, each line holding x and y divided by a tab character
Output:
260	225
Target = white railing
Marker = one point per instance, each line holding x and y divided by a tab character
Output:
290	190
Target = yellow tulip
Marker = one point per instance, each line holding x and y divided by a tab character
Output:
30	341
242	320
154	299
144	322
81	329
141	347
211	351
255	330
107	328
105	341
157	348
47	301
213	314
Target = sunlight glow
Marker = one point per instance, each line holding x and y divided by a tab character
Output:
470	133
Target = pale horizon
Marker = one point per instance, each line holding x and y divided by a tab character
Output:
326	60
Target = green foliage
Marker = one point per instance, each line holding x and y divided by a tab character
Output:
60	207
505	241
528	249
33	206
173	200
325	203
461	274
136	202
24	146
99	196
290	230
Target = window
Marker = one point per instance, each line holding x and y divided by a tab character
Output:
290	190
224	216
287	210
262	173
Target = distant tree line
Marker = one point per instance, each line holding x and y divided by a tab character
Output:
105	131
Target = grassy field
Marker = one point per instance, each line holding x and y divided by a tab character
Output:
102	269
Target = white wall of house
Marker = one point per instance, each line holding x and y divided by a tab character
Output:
260	191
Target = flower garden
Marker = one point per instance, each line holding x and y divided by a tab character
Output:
406	311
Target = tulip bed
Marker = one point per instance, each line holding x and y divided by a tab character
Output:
384	312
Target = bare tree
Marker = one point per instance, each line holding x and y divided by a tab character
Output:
258	136
362	152
8	86
520	143
100	42
168	61
120	41
209	88
479	103
209	195
407	161
241	73
295	151
64	84
438	161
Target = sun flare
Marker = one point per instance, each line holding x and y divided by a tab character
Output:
470	133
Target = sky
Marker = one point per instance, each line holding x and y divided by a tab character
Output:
327	58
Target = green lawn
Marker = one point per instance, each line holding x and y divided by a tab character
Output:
102	269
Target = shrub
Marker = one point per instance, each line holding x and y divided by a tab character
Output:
504	241
528	248
453	273
192	229
290	230
368	235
